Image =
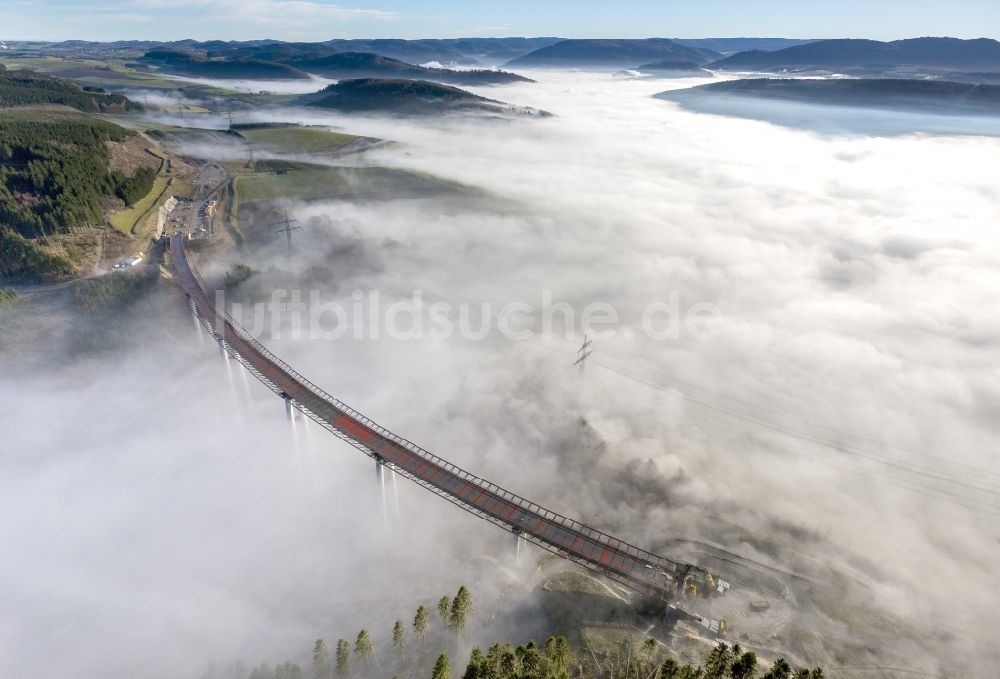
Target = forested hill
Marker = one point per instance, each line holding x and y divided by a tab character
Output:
612	53
55	175
197	65
899	95
23	88
353	65
845	54
406	97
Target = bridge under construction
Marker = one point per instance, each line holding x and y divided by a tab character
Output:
642	571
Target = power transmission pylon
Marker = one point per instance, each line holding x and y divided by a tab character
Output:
287	226
583	353
252	164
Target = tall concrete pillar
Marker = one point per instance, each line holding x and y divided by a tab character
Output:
380	476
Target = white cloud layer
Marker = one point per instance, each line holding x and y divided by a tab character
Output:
842	425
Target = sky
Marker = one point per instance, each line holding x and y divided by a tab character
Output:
312	20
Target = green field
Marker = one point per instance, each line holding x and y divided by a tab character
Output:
319	182
128	219
40	64
91	72
296	139
111	73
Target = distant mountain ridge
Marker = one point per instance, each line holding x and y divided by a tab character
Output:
191	64
612	53
294	61
470	51
731	45
929	53
461	51
353	65
26	88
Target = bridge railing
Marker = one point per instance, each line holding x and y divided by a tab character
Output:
648	587
592	533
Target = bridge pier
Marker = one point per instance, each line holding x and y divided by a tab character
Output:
197	323
624	563
380	475
229	373
395	493
518	544
246	384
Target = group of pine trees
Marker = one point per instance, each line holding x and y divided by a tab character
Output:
650	660
54	176
21	88
359	659
133	189
527	661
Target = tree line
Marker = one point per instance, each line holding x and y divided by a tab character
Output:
55	175
23	88
407	653
647	660
360	658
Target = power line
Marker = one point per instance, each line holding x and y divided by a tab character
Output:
883	477
251	163
859	469
845	448
287	226
799	419
688	397
583	353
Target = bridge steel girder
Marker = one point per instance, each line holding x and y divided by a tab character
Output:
636	568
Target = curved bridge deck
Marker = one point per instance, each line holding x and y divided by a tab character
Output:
636	568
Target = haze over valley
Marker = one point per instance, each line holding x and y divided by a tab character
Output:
697	330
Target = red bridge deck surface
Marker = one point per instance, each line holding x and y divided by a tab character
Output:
640	570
